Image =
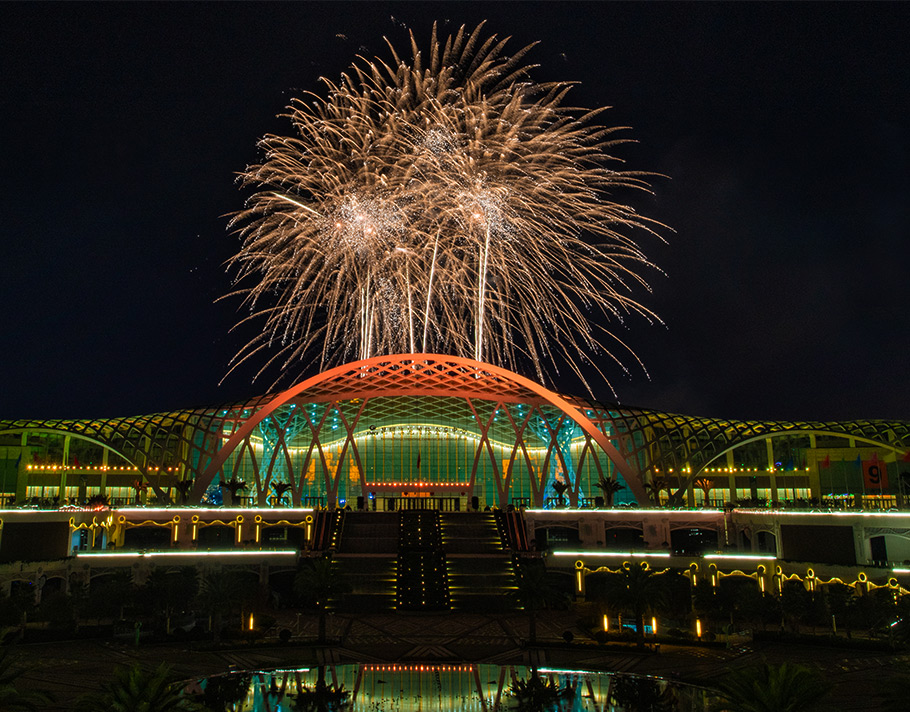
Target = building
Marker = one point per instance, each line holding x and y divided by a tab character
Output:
449	434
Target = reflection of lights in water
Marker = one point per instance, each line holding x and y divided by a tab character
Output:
422	688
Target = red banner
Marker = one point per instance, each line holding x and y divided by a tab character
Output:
875	475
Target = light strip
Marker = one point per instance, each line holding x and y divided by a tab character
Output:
781	513
687	512
900	571
194	510
149	554
740	556
645	554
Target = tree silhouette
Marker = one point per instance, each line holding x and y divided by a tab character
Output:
318	581
233	486
10	697
559	487
168	592
139	487
223	692
638	590
533	591
643	694
609	488
131	689
770	688
222	593
184	488
537	694
655	487
321	697
98	501
705	485
280	489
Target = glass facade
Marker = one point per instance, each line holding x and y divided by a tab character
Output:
383	432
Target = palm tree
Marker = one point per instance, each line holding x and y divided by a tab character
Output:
533	591
318	581
321	697
132	688
10	697
655	487
139	488
705	485
609	487
642	694
223	692
220	593
184	487
770	688
280	489
168	592
638	590
559	487
233	486
98	501
537	694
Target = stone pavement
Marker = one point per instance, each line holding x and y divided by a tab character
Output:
69	669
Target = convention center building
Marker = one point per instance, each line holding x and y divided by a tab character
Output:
381	437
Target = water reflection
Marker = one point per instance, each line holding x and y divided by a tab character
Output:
442	688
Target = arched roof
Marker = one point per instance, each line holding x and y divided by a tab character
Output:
642	443
422	375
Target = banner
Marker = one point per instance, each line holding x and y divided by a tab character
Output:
875	476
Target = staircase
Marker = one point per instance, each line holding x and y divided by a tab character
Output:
365	556
422	582
479	562
424	560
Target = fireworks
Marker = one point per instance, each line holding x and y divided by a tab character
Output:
444	204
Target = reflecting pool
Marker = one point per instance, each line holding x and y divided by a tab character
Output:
442	687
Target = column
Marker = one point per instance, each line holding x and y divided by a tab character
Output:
22	472
61	492
104	453
770	450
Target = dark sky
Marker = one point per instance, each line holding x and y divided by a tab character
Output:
783	130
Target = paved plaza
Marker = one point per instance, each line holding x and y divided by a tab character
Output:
69	669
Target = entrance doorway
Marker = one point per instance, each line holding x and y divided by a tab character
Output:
421	500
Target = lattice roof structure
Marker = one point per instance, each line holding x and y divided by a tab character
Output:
515	425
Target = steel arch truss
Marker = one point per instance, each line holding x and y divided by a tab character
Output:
339	398
511	427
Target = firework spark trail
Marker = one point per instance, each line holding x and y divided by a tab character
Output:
432	195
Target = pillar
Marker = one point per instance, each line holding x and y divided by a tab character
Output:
769	448
104	454
61	492
815	481
22	472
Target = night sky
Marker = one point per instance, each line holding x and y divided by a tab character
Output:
783	130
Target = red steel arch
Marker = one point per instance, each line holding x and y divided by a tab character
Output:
422	375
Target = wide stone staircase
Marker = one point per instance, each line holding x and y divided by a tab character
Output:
423	560
479	562
422	582
366	556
